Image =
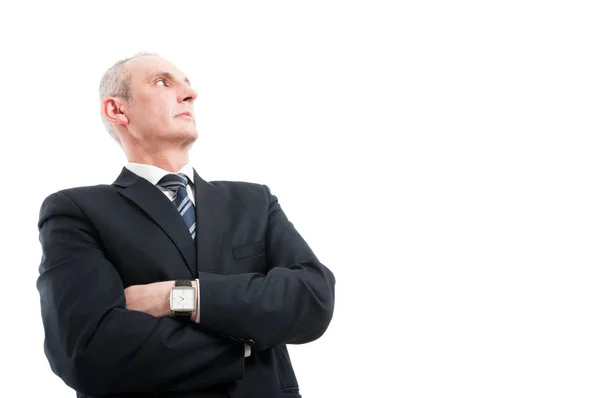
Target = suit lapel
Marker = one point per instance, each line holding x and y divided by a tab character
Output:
161	211
211	203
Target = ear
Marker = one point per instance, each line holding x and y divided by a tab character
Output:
114	110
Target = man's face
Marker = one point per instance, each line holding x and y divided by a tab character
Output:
161	106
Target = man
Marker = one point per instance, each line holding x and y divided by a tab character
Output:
163	284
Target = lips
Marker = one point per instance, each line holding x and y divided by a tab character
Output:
186	114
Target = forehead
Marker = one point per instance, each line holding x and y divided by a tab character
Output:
142	68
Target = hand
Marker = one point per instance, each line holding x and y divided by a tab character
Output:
153	298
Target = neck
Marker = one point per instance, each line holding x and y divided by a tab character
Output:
171	161
170	155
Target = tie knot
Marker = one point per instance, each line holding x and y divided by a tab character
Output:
173	182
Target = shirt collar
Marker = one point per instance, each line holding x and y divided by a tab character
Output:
154	174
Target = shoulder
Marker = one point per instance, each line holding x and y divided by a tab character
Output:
77	193
70	200
244	188
246	192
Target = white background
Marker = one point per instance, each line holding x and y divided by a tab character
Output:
442	158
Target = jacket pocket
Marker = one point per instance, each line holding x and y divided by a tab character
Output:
287	378
249	250
290	393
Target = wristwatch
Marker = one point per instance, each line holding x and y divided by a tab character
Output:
183	299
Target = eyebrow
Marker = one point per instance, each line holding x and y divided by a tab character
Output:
167	76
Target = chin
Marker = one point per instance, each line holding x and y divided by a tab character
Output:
186	137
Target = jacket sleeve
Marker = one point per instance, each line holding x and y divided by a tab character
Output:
92	342
291	304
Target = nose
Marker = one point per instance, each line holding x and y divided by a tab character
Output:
188	94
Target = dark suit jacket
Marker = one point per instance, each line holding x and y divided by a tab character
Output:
260	284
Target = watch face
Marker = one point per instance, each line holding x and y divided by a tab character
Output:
183	298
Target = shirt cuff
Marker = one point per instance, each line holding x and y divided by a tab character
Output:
247	351
198	303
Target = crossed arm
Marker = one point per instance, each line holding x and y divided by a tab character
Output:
102	338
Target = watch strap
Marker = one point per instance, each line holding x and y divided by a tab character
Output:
182	315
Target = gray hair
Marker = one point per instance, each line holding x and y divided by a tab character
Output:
116	83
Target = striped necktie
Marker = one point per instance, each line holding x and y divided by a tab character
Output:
177	183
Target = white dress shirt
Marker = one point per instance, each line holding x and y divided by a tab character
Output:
154	174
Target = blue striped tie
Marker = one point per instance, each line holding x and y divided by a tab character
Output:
177	183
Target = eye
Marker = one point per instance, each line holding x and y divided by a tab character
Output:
163	81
